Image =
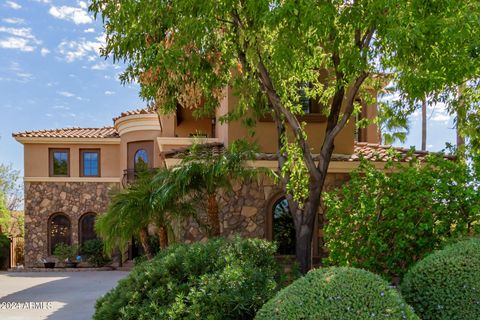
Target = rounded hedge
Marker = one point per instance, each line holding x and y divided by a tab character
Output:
446	284
219	279
337	293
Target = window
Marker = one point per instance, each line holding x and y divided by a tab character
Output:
60	162
58	231
304	99
90	163
283	229
86	227
141	159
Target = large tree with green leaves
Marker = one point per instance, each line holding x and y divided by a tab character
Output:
187	51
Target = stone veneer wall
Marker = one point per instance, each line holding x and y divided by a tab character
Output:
244	210
42	199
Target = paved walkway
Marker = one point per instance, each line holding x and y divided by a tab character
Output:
53	295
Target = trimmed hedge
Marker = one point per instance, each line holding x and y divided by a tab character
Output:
446	284
337	293
219	279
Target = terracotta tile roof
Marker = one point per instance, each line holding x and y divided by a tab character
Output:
134	112
369	151
105	132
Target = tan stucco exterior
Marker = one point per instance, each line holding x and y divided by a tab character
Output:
37	158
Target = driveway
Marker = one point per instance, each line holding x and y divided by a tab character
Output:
53	295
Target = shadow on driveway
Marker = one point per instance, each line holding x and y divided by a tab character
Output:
72	295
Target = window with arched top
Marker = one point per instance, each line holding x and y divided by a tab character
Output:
281	228
59	231
86	227
141	158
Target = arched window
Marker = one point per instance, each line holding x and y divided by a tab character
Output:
59	231
86	227
141	158
283	229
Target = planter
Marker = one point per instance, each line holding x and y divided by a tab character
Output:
49	265
71	264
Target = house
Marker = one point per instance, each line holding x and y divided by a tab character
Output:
70	172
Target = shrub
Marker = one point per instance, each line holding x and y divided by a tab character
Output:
219	279
337	293
65	252
446	284
93	251
386	220
4	251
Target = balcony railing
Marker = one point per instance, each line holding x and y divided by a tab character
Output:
130	175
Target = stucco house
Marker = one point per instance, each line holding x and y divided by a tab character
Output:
69	172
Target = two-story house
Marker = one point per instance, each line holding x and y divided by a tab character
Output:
70	172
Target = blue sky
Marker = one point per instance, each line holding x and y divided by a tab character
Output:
51	76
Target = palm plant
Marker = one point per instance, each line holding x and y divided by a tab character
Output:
151	200
202	174
128	215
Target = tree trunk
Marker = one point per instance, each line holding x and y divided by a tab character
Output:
304	219
163	237
424	124
145	243
212	216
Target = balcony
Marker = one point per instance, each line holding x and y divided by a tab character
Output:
130	175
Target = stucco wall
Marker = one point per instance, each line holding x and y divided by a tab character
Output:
36	157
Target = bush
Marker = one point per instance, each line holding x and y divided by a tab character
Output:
446	284
386	220
4	251
219	279
337	293
93	251
65	252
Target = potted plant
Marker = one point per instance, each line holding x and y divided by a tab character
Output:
67	254
48	264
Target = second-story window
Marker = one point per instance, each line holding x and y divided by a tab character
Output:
141	159
90	163
59	162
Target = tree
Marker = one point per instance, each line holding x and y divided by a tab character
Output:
9	186
185	52
203	174
134	209
4	216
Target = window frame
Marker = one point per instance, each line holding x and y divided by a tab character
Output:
81	154
81	220
51	248
51	152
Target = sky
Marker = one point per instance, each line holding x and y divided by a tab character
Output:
52	76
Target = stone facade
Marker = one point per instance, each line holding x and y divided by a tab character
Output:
43	199
245	209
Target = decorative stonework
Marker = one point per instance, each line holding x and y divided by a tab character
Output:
244	210
42	199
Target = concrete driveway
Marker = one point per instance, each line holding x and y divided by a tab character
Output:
53	295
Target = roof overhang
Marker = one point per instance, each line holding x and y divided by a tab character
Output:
36	140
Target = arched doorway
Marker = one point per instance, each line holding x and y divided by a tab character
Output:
86	227
59	231
280	226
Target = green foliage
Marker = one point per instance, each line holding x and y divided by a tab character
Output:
5	218
65	252
93	250
219	279
134	208
4	250
444	285
385	221
10	187
337	293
